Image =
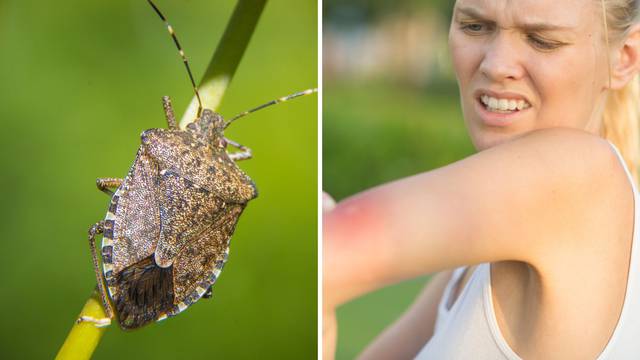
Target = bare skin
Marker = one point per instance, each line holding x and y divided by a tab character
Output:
381	236
531	202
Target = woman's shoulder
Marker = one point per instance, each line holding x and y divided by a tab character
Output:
542	192
561	151
566	167
572	177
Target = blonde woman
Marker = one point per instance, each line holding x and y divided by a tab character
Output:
535	237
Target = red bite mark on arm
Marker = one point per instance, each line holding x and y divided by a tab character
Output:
355	247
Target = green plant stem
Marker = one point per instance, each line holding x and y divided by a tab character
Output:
84	337
225	61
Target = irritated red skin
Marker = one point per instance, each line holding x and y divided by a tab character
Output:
356	247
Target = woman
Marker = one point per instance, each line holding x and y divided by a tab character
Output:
539	225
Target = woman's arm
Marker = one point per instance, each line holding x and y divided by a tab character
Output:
404	338
528	200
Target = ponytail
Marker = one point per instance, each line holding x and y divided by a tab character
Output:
620	123
622	109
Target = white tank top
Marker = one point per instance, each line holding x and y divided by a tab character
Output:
469	329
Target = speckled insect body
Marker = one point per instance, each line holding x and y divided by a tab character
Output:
166	234
167	231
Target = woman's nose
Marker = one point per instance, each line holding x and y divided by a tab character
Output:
502	59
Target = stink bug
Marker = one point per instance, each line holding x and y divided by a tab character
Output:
166	234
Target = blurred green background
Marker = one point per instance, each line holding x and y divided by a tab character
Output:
79	82
390	110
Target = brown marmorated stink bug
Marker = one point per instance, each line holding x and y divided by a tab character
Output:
166	235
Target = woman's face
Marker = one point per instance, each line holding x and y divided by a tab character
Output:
524	65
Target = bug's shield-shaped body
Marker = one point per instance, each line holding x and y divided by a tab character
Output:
166	234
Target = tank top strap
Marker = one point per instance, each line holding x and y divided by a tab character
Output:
624	337
624	165
443	310
448	291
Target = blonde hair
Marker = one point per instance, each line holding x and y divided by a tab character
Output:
621	116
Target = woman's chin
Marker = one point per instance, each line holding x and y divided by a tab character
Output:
485	139
485	134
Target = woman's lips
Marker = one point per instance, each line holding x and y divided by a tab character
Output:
492	114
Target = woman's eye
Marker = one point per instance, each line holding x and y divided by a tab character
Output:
473	28
542	44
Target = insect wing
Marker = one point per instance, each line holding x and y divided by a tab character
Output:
185	210
134	214
200	262
145	293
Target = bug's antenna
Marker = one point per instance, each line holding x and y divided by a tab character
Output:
272	102
184	57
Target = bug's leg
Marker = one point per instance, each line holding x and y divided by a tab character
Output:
98	229
104	184
208	294
243	154
168	112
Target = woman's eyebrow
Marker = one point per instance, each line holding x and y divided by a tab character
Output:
471	12
528	27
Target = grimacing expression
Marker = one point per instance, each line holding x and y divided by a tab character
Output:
523	65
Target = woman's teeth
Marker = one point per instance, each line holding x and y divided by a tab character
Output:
503	105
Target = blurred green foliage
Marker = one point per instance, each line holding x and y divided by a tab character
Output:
374	132
79	82
372	10
377	130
